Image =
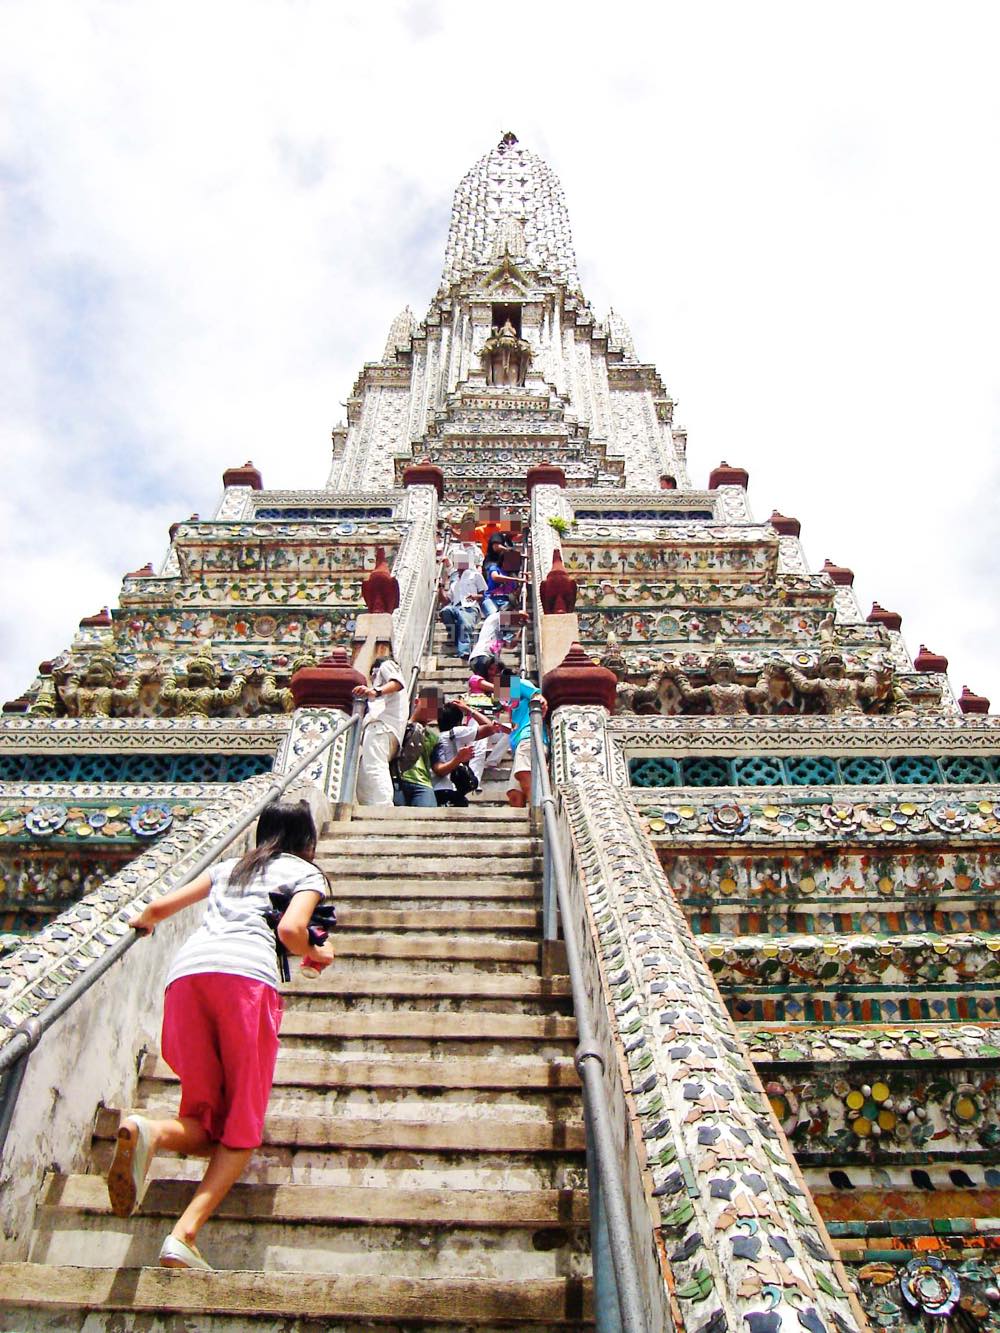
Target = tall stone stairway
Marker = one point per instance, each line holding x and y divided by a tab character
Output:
423	1158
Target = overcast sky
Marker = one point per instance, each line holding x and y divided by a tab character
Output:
212	211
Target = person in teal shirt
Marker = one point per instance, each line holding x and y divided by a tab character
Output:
520	691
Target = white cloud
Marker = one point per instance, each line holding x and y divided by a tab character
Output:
212	213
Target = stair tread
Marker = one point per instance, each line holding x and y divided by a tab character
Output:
455	918
481	985
334	1070
338	1204
275	1296
448	1026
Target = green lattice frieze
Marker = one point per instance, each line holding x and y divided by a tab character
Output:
135	767
813	770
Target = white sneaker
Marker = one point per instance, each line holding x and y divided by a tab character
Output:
175	1253
127	1172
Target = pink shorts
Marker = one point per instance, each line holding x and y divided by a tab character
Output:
220	1036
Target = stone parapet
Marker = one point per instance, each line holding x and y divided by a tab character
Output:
715	1156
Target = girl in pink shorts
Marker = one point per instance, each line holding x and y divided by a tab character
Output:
221	1014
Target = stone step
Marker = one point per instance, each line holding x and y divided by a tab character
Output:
454	867
462	826
491	1135
341	1249
443	892
321	1203
69	1292
375	1169
452	918
443	815
451	948
406	1025
323	1071
424	842
509	987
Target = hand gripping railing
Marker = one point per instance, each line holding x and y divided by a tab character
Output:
617	1287
14	1056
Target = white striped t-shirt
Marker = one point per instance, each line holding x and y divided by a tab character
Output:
234	937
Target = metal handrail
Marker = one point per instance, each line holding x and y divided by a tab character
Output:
14	1056
605	1187
432	615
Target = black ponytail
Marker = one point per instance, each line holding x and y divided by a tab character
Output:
283	828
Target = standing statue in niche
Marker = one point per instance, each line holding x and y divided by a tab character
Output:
506	357
724	694
94	694
196	693
837	691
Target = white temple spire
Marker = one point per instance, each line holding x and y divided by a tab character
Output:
510	195
620	335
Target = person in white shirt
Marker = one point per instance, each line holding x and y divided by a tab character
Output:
462	731
465	593
382	731
492	639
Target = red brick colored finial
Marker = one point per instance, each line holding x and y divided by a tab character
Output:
19	705
878	615
557	588
328	684
668	482
724	475
101	621
144	573
247	475
544	474
925	660
425	473
578	680
973	703
840	574
380	590
785	526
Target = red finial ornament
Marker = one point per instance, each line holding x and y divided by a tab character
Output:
328	684
557	588
785	526
380	590
878	615
840	574
101	621
425	473
544	474
247	475
724	475
973	703
925	660
578	680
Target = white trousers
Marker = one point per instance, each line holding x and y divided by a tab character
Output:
378	745
489	752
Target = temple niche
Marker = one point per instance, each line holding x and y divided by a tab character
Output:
506	357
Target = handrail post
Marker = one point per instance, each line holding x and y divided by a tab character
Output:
350	779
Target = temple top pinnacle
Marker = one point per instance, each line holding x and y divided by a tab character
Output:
510	197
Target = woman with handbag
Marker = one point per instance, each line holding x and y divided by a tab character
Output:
221	1014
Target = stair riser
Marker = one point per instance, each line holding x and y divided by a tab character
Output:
405	1073
103	1321
409	917
385	1170
505	1254
300	1007
428	1049
439	845
419	867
